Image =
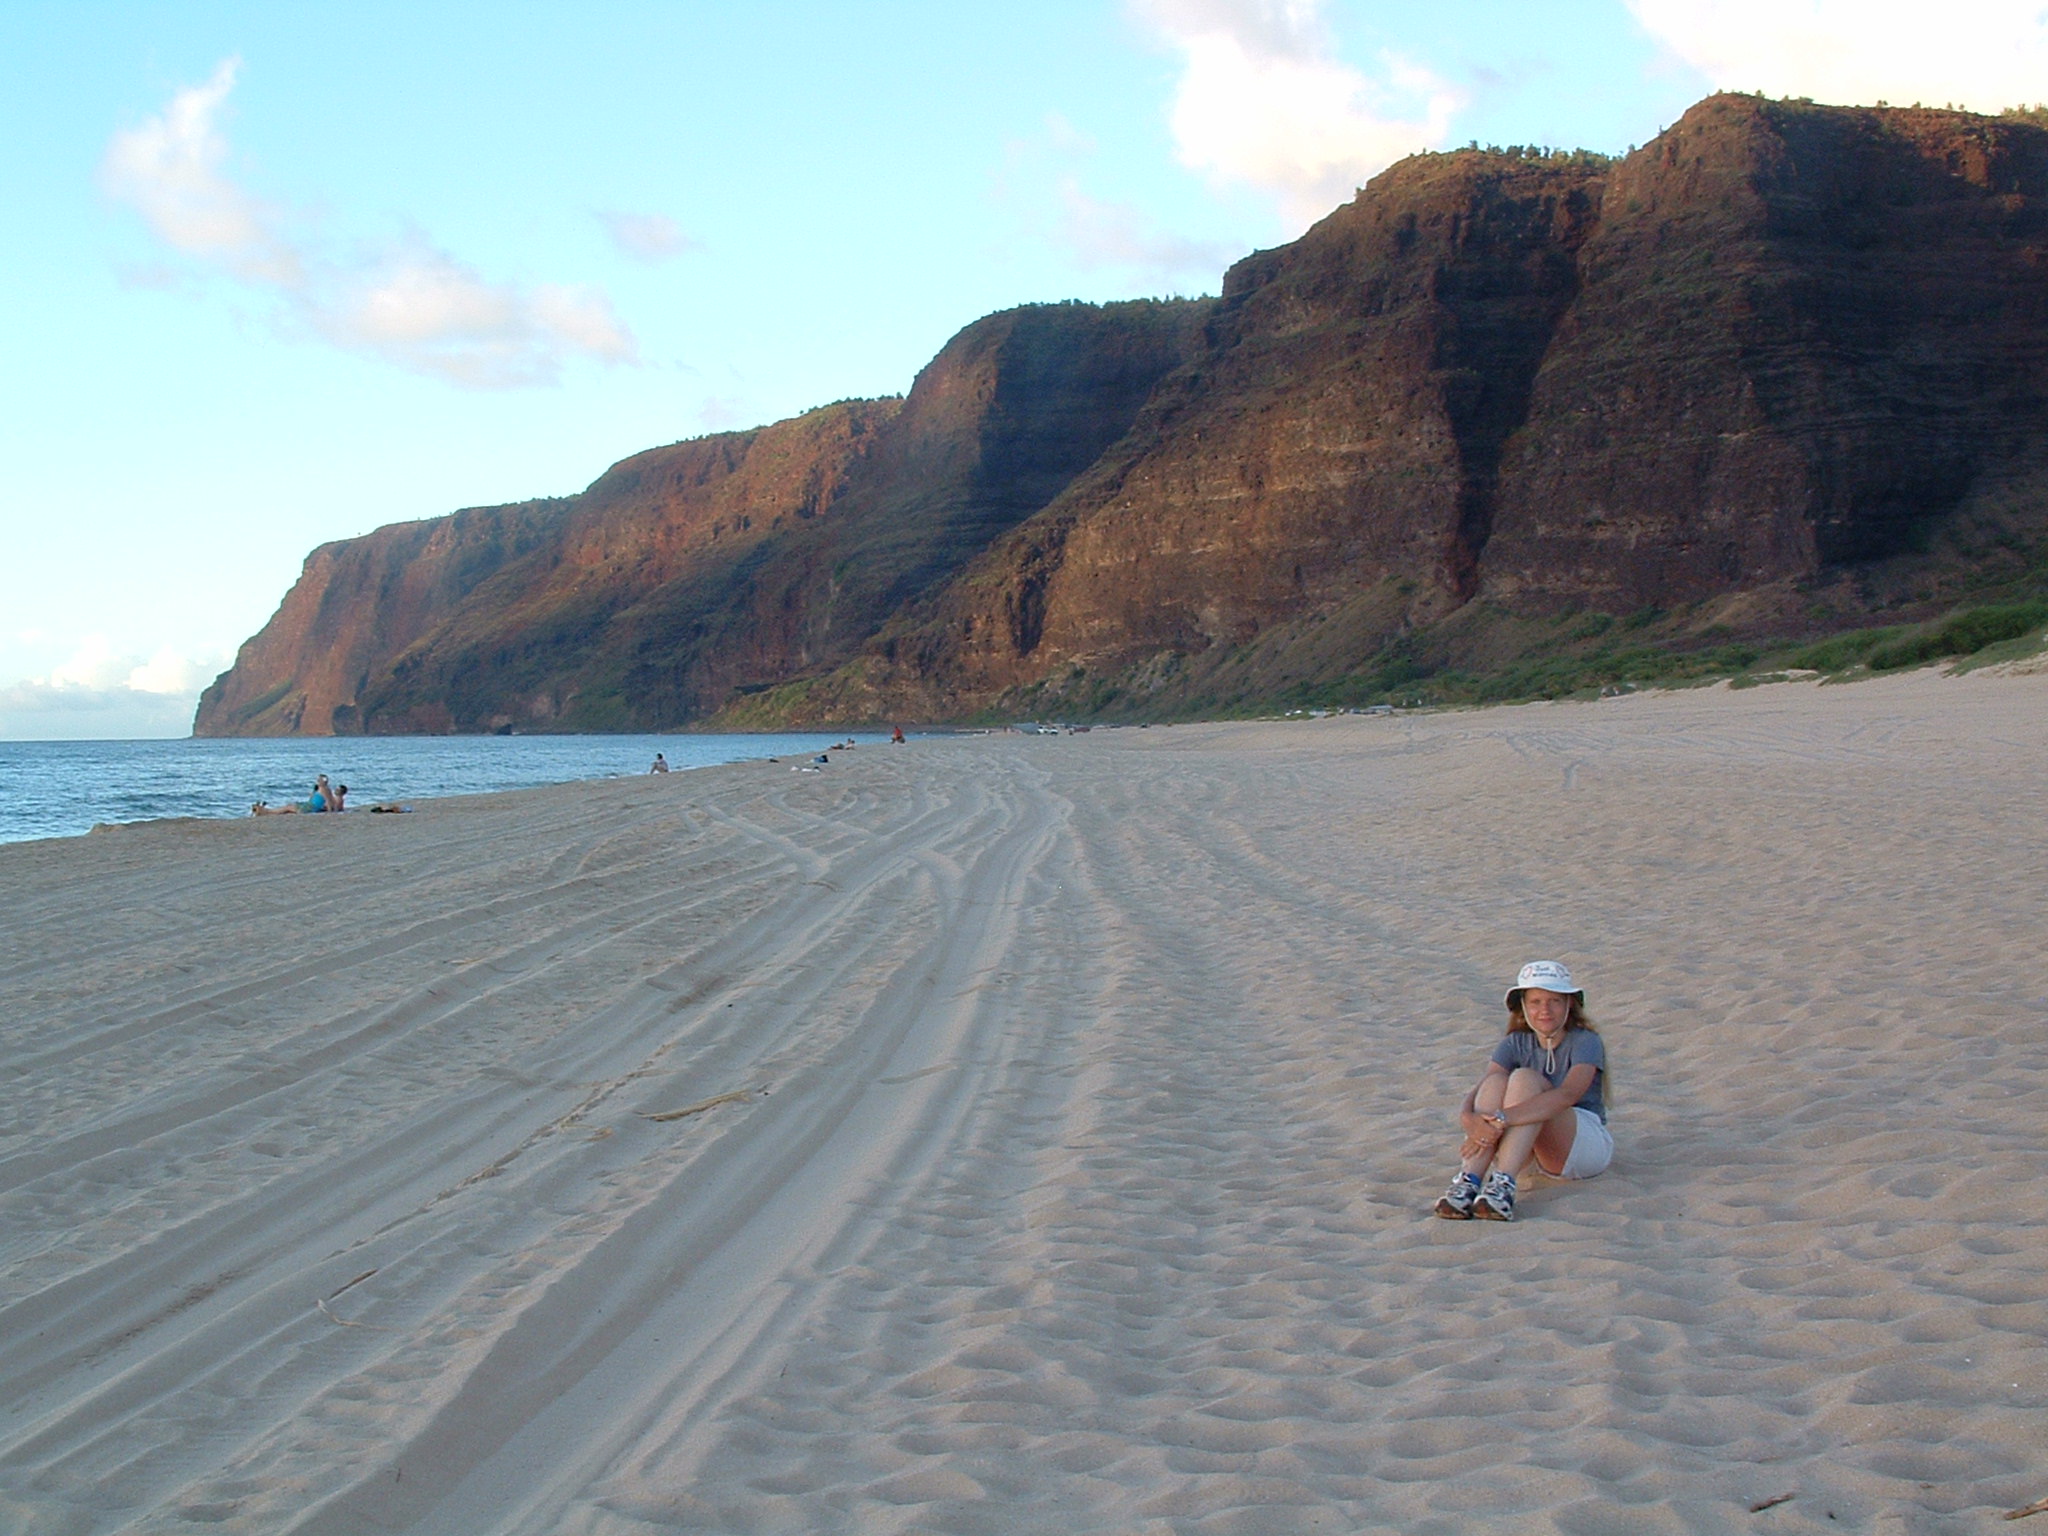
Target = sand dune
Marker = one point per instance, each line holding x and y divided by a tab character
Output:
1065	1116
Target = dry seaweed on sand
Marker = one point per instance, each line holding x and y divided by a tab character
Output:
737	1096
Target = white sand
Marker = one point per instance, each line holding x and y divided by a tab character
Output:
1102	1084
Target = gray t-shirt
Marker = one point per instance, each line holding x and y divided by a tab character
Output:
1523	1049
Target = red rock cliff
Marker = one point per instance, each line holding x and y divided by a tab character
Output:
722	565
1781	342
1781	348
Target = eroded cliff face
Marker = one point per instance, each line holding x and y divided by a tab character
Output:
1339	438
354	603
651	553
1780	348
690	573
1781	343
382	632
1804	337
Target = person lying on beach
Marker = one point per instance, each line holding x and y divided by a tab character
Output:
1542	1098
322	799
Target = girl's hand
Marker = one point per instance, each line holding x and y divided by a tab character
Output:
1483	1136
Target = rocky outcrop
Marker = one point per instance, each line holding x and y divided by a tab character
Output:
355	603
1780	344
651	556
1340	435
1784	352
1804	337
691	573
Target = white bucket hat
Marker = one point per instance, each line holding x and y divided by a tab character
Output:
1550	975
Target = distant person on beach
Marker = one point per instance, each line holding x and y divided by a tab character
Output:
339	800
660	764
897	739
1542	1097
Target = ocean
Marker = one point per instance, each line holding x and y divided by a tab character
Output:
63	788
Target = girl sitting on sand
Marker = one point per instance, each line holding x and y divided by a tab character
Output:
1541	1097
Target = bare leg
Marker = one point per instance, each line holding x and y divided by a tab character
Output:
1549	1141
1554	1141
1489	1099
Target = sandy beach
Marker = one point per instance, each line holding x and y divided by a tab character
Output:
1034	1134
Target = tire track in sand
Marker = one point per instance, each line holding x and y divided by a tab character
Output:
713	1264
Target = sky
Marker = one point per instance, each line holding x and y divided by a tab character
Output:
280	273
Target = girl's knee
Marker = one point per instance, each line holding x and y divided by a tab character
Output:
1526	1083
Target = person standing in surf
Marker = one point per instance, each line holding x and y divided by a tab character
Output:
1541	1099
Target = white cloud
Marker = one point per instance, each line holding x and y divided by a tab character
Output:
1263	102
1983	54
1042	186
38	695
100	691
412	305
171	170
36	711
95	664
427	312
648	237
581	316
170	672
1119	235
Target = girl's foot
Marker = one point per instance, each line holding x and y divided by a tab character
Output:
1497	1201
1456	1202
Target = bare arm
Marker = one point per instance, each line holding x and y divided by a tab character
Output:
1481	1130
1468	1112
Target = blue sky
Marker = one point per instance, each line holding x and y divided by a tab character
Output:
279	274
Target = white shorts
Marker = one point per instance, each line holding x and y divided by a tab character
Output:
1592	1148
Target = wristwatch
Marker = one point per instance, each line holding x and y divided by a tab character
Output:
1500	1119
